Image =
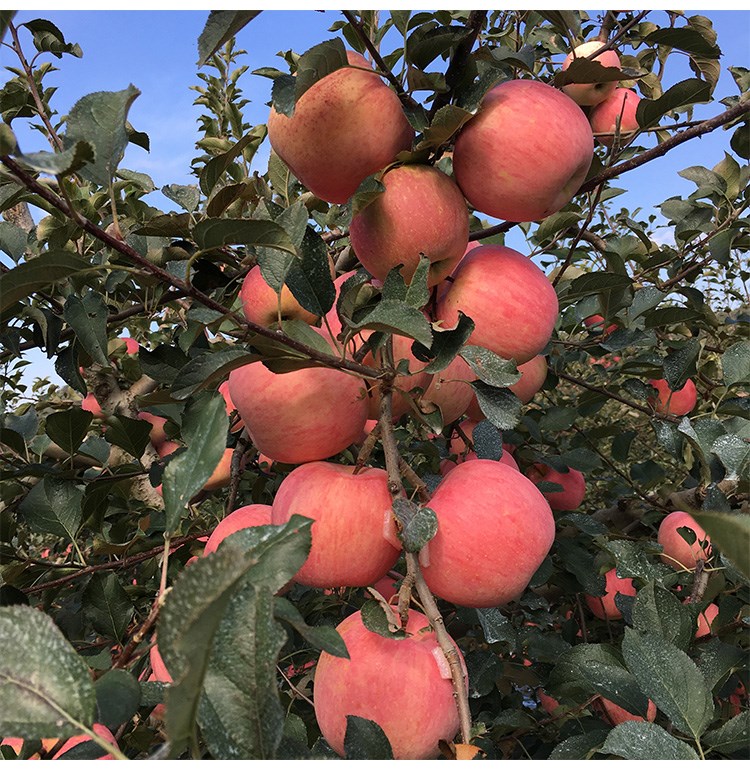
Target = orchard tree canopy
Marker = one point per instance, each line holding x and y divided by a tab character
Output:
399	433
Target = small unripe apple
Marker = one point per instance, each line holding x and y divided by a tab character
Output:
677	552
402	684
604	607
671	403
422	211
618	109
345	127
572	481
242	518
486	510
354	541
261	304
591	93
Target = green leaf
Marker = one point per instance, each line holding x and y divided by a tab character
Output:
447	343
397	317
173	226
682	94
679	365
63	163
579	747
118	696
730	532
322	637
645	741
48	38
734	454
53	506
220	642
645	299
446	122
490	367
282	94
275	264
418	525
220	27
656	610
582	70
317	62
45	687
187	196
735	363
671	679
213	171
685	39
487	440
418	293
87	316
300	331
204	429
13	240
217	232
309	278
370	189
731	737
68	428
208	369
132	435
500	406
38	274
365	740
99	119
8	142
596	281
107	605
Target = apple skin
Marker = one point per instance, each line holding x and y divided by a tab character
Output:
354	541
242	518
705	621
486	510
421	211
591	93
677	552
450	390
302	416
533	375
91	404
596	321
157	435
221	476
616	715
416	378
402	684
101	730
525	154
547	702
458	446
512	303
670	403
620	105
573	483
261	304
604	607
345	127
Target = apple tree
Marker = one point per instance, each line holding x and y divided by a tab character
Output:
467	436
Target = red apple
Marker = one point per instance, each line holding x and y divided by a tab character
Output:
671	403
512	303
263	306
533	375
616	715
705	621
302	416
526	152
591	93
101	730
615	116
421	211
572	481
402	684
450	390
547	702
243	517
604	607
158	667
157	435
91	404
677	552
345	127
596	321
221	476
354	539
485	511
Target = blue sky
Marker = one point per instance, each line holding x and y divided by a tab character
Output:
157	52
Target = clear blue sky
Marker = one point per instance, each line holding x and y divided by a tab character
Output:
157	52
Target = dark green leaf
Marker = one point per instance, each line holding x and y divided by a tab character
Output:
447	343
730	532
496	626
131	435
686	39
187	196
48	38
582	70
107	605
118	696
44	684
208	369
418	524
734	736
734	454
217	232
204	430
418	293
657	610
309	278
282	94
682	94
596	281
8	142
99	119
490	367
671	679
87	316
220	27
579	747
213	171
446	122
53	506
735	363
668	436
317	62
38	274
369	190
173	226
645	741
487	440
500	406
375	619
365	740
322	637
672	315
13	240
68	428
717	659
398	317
679	365
63	163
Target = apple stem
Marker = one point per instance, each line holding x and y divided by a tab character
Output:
367	448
